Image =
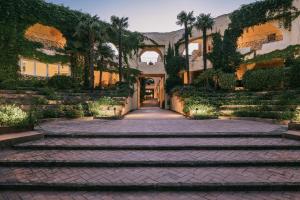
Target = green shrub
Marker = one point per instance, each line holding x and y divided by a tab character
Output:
62	82
293	75
9	84
264	79
96	107
207	78
54	112
49	93
200	108
297	116
39	101
172	82
227	81
73	112
13	116
32	82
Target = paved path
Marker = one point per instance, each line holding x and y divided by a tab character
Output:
157	120
153	154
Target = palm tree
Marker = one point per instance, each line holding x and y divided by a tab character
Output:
105	55
89	31
203	23
120	25
186	19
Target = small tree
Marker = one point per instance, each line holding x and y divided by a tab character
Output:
232	58
173	67
187	20
217	54
203	23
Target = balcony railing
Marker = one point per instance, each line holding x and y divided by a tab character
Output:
257	44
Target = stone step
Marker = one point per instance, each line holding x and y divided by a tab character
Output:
140	164
150	156
277	134
155	179
250	195
160	143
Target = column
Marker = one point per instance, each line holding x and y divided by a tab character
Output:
34	68
47	70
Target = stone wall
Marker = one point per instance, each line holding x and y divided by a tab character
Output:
177	104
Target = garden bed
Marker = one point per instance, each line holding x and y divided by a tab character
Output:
4	130
295	126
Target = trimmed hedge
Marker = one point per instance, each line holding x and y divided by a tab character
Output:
62	82
227	81
264	79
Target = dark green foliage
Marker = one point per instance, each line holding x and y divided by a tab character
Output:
207	79
143	82
227	81
224	55
9	84
280	105
288	53
31	83
53	112
264	79
216	55
15	17
49	93
62	82
76	111
39	101
172	82
174	63
293	75
231	58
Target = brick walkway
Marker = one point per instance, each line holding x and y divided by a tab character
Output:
49	174
158	121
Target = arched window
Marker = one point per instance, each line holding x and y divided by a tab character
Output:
47	35
150	57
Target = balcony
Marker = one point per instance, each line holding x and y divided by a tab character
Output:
258	44
155	68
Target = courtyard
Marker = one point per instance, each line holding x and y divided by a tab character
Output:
104	100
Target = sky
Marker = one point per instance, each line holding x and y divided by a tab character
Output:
152	15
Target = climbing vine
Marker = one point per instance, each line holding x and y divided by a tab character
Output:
249	15
18	15
261	12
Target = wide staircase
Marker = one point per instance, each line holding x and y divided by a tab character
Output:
142	166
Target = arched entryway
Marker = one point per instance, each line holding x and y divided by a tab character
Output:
152	91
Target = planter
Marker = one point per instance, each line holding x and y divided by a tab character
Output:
295	126
4	130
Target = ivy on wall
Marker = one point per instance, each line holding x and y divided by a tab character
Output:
16	16
256	13
261	12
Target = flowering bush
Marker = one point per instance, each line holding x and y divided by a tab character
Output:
13	116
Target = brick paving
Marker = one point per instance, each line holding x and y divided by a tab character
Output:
139	176
163	142
156	122
147	120
107	156
150	196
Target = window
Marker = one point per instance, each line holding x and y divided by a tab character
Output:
272	37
